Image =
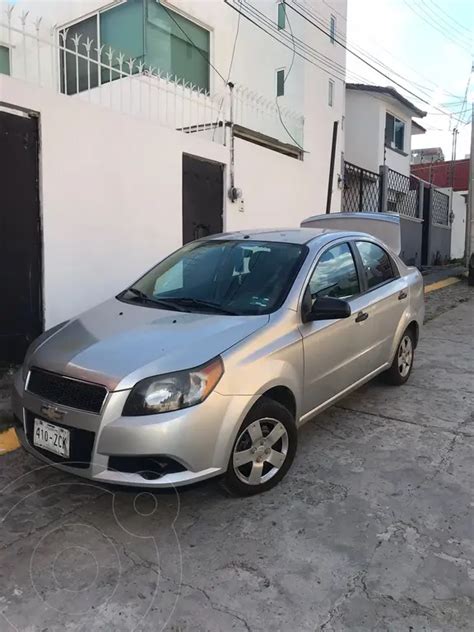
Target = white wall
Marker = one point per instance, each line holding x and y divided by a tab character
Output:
250	67
279	197
365	132
458	229
257	57
362	142
111	196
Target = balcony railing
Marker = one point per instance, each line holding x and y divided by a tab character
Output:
48	57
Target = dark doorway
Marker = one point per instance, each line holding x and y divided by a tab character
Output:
21	317
425	235
203	197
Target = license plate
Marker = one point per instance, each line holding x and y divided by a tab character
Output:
52	438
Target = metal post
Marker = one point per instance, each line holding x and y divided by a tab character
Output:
451	178
383	188
231	140
361	189
421	193
469	208
331	166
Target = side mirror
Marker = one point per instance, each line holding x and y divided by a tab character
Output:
326	308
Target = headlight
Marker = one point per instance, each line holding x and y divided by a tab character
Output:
173	391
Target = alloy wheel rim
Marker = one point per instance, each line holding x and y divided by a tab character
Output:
260	451
405	356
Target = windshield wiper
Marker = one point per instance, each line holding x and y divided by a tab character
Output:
155	301
197	302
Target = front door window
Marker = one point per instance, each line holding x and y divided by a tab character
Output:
335	274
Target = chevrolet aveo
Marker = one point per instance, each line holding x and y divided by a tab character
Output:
208	364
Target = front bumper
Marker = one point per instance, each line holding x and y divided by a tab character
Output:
199	438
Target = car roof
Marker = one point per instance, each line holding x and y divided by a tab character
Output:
284	235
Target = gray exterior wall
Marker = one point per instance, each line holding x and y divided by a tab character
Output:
411	236
440	242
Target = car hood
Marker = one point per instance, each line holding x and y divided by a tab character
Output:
117	344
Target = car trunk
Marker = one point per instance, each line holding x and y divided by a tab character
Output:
383	226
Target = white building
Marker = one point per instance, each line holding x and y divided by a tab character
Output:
134	118
379	127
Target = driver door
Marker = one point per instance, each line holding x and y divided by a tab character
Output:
331	348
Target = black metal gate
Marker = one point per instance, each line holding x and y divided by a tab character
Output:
361	189
21	311
203	197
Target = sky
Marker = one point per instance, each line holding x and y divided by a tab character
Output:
429	44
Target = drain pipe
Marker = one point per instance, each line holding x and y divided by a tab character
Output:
234	193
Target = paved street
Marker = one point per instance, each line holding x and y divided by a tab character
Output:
371	530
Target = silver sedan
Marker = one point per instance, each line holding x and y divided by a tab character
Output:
208	364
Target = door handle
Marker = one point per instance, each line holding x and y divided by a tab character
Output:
403	294
361	316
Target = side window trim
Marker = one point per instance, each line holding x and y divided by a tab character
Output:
362	272
363	285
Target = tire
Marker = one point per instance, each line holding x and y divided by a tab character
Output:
402	364
262	464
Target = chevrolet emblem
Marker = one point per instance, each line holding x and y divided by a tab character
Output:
52	413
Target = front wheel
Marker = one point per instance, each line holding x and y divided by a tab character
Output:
263	450
402	364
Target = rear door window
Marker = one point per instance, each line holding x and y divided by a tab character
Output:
377	264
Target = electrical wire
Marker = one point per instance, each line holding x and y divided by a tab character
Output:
229	72
259	19
450	17
427	91
437	26
362	51
259	26
439	18
192	43
466	92
328	62
235	45
285	78
337	41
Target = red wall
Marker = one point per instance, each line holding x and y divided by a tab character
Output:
439	173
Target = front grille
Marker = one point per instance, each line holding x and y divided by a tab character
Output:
148	467
80	444
67	391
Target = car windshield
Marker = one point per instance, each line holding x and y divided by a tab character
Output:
221	276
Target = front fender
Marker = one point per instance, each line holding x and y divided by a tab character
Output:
267	359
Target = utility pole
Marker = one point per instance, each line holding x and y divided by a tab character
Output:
469	208
451	179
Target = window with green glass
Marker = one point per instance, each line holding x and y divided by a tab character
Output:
281	15
143	30
176	45
77	73
4	60
121	28
280	83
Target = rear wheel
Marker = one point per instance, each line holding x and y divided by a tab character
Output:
263	450
402	364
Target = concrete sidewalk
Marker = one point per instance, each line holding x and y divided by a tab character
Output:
371	530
